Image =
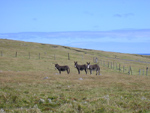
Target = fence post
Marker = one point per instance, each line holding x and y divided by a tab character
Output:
16	54
146	71
68	57
119	68
139	71
130	71
108	64
96	59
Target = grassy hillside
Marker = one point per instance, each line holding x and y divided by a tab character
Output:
30	83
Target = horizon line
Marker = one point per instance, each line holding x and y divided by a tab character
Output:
115	30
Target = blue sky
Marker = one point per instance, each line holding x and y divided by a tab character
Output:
125	22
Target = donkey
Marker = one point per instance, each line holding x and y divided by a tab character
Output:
62	68
80	67
93	67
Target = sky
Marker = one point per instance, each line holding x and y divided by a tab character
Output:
123	24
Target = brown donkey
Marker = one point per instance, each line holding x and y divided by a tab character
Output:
93	67
80	67
62	68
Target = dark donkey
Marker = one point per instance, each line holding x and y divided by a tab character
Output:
80	67
62	68
93	67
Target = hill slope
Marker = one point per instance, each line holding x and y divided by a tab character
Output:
30	83
25	56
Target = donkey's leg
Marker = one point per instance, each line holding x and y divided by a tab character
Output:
85	71
99	72
59	72
90	71
96	71
78	71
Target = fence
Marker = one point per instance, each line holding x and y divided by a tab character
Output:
124	69
115	66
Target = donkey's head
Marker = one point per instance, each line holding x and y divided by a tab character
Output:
88	64
75	64
56	65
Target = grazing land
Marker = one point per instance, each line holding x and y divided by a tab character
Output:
30	83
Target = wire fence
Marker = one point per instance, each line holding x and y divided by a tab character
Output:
123	68
113	64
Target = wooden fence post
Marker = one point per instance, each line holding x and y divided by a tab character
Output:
16	54
130	71
108	64
68	57
139	71
119	68
146	71
96	60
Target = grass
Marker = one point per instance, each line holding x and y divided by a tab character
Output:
33	85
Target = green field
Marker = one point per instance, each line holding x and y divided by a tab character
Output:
29	82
